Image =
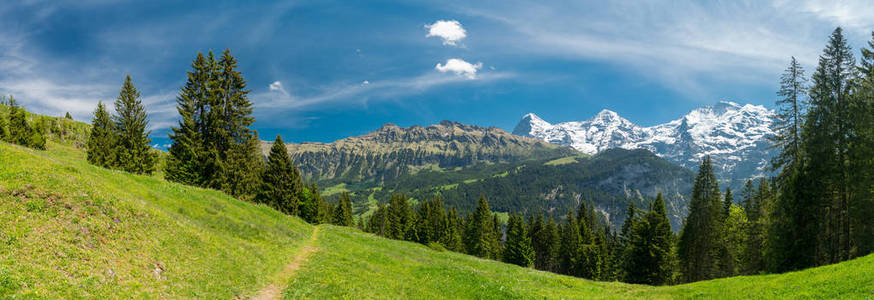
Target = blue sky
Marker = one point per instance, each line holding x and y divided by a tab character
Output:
324	70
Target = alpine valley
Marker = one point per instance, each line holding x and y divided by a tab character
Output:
460	162
734	136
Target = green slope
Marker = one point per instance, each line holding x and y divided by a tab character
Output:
71	230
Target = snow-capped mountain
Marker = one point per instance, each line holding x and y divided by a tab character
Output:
735	136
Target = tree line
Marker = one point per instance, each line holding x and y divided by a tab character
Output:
16	129
213	144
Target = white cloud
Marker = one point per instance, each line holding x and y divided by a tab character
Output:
365	82
277	87
459	67
450	31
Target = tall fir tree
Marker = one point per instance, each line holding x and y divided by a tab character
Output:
281	185
480	237
569	248
133	153
699	241
824	180
518	248
861	165
184	162
343	212
101	141
19	129
728	201
649	253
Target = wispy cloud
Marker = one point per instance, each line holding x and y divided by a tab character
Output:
360	93
685	45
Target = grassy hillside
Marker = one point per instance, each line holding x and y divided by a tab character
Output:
353	265
71	230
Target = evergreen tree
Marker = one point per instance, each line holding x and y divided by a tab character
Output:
453	240
4	130
343	212
480	237
281	185
185	159
311	205
101	141
699	243
728	202
68	116
649	253
400	218
861	155
518	247
551	243
569	248
19	130
37	138
236	143
789	118
754	242
133	153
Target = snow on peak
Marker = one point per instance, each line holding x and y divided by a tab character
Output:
733	135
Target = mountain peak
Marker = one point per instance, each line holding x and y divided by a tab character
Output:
529	124
734	135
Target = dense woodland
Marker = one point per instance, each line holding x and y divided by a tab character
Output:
814	212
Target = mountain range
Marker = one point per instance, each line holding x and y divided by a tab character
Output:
735	136
460	162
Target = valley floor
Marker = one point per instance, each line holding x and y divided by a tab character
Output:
72	230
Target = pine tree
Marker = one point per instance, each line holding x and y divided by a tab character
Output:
343	212
4	128
727	202
569	248
19	130
68	116
281	185
101	141
133	153
480	236
649	254
861	157
236	142
310	205
453	239
401	219
518	247
699	241
185	162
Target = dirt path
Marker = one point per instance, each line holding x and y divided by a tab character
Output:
274	290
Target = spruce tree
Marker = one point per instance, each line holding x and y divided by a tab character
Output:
133	153
569	249
480	237
649	254
343	212
281	185
19	130
236	142
4	128
185	159
68	116
518	247
861	155
453	239
310	204
101	141
699	243
727	202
